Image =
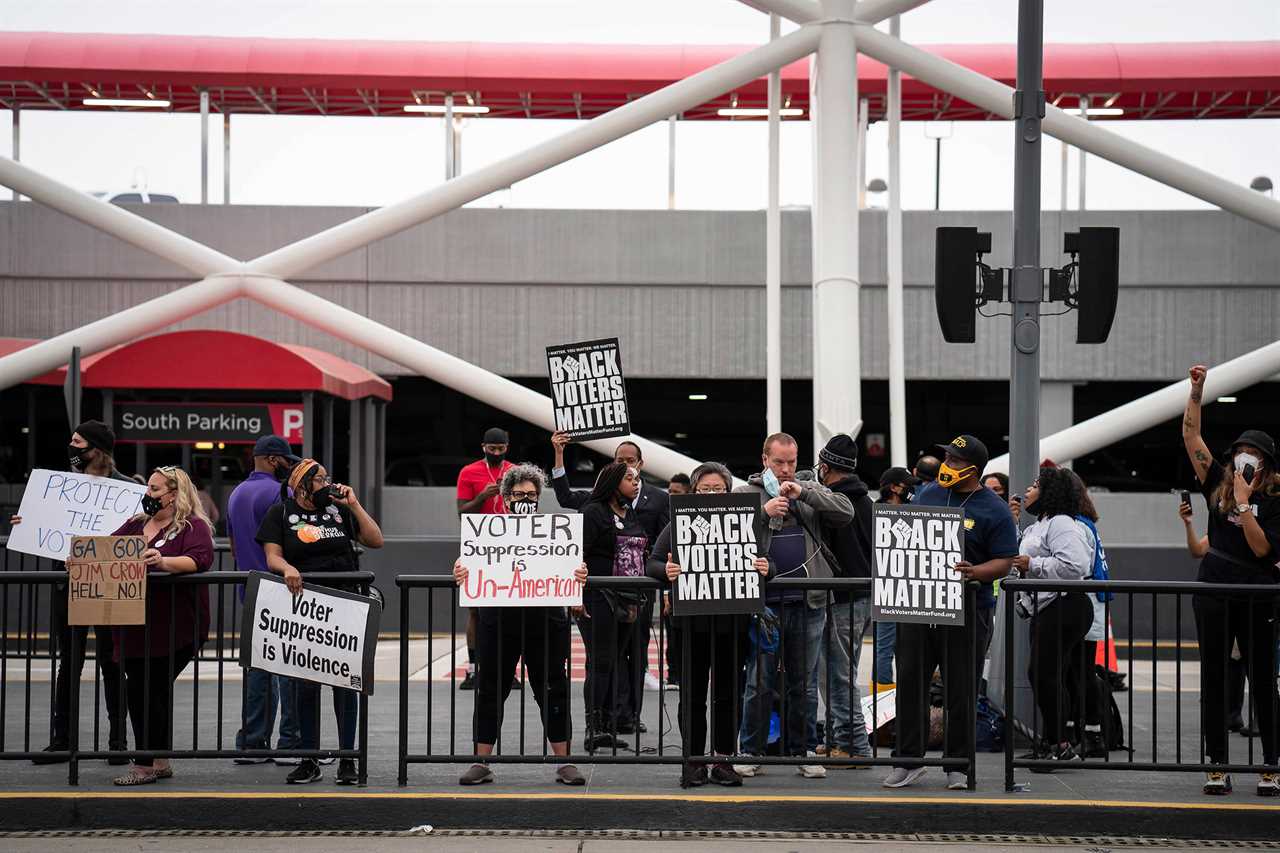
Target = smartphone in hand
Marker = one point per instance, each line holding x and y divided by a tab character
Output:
1186	498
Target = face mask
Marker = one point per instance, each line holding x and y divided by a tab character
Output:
770	482
78	456
1247	464
322	497
151	505
493	460
948	476
522	507
1033	508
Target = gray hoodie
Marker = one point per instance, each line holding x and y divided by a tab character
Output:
816	508
1060	548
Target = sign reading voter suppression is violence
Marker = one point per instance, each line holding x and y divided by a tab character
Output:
106	581
914	549
521	560
714	540
587	389
322	635
58	505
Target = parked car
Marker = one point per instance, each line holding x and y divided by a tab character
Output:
136	197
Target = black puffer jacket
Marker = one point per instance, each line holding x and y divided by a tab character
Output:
851	544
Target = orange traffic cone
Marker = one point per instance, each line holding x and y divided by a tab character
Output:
1106	656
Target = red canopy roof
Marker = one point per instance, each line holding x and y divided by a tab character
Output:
217	361
314	76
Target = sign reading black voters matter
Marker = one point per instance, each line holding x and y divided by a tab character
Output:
714	540
915	548
521	560
589	395
322	635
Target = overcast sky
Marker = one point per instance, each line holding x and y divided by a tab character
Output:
368	161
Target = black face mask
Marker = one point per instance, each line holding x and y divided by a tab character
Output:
493	460
322	497
151	505
525	507
78	456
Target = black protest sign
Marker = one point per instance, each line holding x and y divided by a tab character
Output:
587	389
915	548
714	540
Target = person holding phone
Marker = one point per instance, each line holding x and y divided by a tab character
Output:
1243	497
313	531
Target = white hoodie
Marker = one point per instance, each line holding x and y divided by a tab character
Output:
1060	548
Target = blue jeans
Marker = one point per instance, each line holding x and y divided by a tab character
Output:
798	649
841	650
262	692
886	638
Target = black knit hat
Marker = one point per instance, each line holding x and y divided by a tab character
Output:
841	452
98	435
495	435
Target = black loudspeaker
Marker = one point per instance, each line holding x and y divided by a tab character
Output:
1098	283
955	288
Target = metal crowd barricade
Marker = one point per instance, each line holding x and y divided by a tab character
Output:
31	632
1154	601
439	743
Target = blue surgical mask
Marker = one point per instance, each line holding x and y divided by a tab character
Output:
770	482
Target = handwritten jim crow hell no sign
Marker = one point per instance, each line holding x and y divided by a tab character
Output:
915	548
587	389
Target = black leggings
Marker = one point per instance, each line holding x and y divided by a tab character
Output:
149	691
1057	644
541	636
602	636
715	657
1219	620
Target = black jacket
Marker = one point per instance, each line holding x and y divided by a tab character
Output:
851	544
653	508
656	568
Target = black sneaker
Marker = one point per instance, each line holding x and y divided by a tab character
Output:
1062	753
56	746
1094	746
305	773
468	683
347	774
626	727
694	776
724	774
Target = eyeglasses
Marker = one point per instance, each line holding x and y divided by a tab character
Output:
525	496
323	481
710	490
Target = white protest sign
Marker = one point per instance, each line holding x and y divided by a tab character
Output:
587	389
914	549
322	635
521	560
57	505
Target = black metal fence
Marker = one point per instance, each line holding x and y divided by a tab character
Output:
1158	742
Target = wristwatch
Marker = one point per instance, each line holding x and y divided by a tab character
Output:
1242	509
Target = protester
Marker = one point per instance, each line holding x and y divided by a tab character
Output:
273	460
539	634
926	469
998	483
990	544
179	541
678	485
312	531
90	452
896	485
849	548
653	511
717	650
1055	547
793	540
478	492
614	545
1092	702
1244	541
207	503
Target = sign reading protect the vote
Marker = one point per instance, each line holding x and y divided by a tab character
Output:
914	549
715	538
587	389
106	581
322	635
58	505
521	560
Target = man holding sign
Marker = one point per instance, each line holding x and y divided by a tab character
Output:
90	454
520	571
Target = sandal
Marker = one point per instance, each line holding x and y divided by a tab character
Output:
137	776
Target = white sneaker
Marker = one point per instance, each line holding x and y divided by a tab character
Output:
901	777
812	771
651	681
957	781
748	769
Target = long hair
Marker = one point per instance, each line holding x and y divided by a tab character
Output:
1224	496
611	477
1058	494
711	469
1087	508
186	505
525	472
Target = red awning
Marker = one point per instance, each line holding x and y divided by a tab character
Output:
211	360
331	77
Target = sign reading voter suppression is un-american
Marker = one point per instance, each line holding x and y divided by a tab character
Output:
587	389
322	635
521	560
714	540
914	549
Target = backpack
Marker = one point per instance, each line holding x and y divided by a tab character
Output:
1101	570
990	723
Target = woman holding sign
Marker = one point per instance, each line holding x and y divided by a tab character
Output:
313	530
180	541
538	634
717	649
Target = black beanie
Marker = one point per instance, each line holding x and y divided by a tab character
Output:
98	435
841	452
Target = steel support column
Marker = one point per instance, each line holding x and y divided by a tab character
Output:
226	158
1084	155
450	158
204	146
17	143
896	328
773	254
671	163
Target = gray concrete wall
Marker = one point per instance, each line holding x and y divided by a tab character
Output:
683	289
